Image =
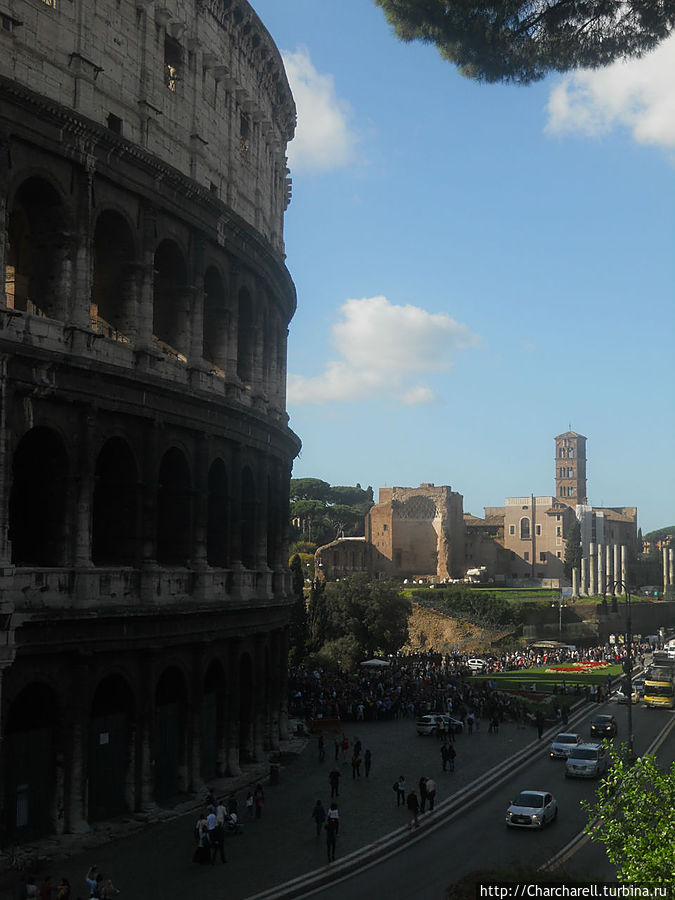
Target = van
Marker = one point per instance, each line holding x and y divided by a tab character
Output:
587	761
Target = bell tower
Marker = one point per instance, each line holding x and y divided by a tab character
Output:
570	468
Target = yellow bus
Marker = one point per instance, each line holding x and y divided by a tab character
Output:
659	688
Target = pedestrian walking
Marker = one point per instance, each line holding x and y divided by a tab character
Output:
431	793
319	816
423	793
217	839
109	890
452	754
413	809
258	800
337	747
367	762
356	765
344	746
63	891
334	779
46	888
331	838
334	816
469	723
444	757
322	748
399	787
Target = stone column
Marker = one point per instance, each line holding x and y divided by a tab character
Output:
232	725
584	577
671	567
283	685
610	575
575	582
664	554
6	393
617	565
623	567
79	312
146	292
4	188
602	581
592	561
75	800
276	676
259	698
144	756
194	781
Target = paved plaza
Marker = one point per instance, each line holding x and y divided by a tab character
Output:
156	862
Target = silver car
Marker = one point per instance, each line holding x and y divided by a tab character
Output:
532	809
587	761
563	743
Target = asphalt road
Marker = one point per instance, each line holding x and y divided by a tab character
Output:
479	837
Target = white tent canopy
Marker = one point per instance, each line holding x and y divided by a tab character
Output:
376	663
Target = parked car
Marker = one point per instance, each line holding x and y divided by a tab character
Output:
603	726
532	809
587	761
563	743
477	665
431	724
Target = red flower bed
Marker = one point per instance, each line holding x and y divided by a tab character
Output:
579	667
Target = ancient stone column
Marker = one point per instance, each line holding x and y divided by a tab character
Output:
671	567
232	725
623	567
664	554
592	570
602	581
260	738
575	582
584	577
617	567
610	574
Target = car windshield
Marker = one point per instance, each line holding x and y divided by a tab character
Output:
528	799
602	720
566	739
584	754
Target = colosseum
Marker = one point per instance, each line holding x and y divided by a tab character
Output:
145	452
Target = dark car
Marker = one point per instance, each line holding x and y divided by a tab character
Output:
603	726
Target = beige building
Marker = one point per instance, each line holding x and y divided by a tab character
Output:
535	531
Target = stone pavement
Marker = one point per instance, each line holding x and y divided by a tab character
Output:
155	862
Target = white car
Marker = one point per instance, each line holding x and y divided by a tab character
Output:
437	722
532	809
477	665
563	743
587	761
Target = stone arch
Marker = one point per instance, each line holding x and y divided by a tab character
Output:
113	298
115	505
248	522
245	336
37	252
110	752
216	320
274	517
218	516
169	745
212	722
246	711
174	514
30	743
37	503
525	529
170	321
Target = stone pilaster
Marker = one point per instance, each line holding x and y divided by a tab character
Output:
592	570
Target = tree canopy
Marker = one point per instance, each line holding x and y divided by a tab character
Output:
523	40
634	817
323	512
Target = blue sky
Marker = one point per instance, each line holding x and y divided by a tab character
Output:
478	267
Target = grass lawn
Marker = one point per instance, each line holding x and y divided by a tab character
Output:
544	679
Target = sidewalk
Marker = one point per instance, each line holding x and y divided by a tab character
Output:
156	862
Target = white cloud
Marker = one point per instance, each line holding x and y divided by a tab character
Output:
381	350
638	94
323	139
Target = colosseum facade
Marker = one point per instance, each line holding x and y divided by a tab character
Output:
145	452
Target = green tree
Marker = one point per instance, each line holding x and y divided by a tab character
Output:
298	626
573	548
523	40
375	613
310	489
318	616
634	817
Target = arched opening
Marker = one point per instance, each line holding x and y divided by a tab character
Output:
524	529
112	295
37	251
29	751
174	521
249	509
218	516
115	506
245	337
37	503
169	743
273	519
216	321
111	727
246	699
170	322
212	722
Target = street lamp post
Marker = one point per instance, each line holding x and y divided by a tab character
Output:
561	605
628	662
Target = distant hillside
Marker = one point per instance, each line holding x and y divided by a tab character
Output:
659	533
